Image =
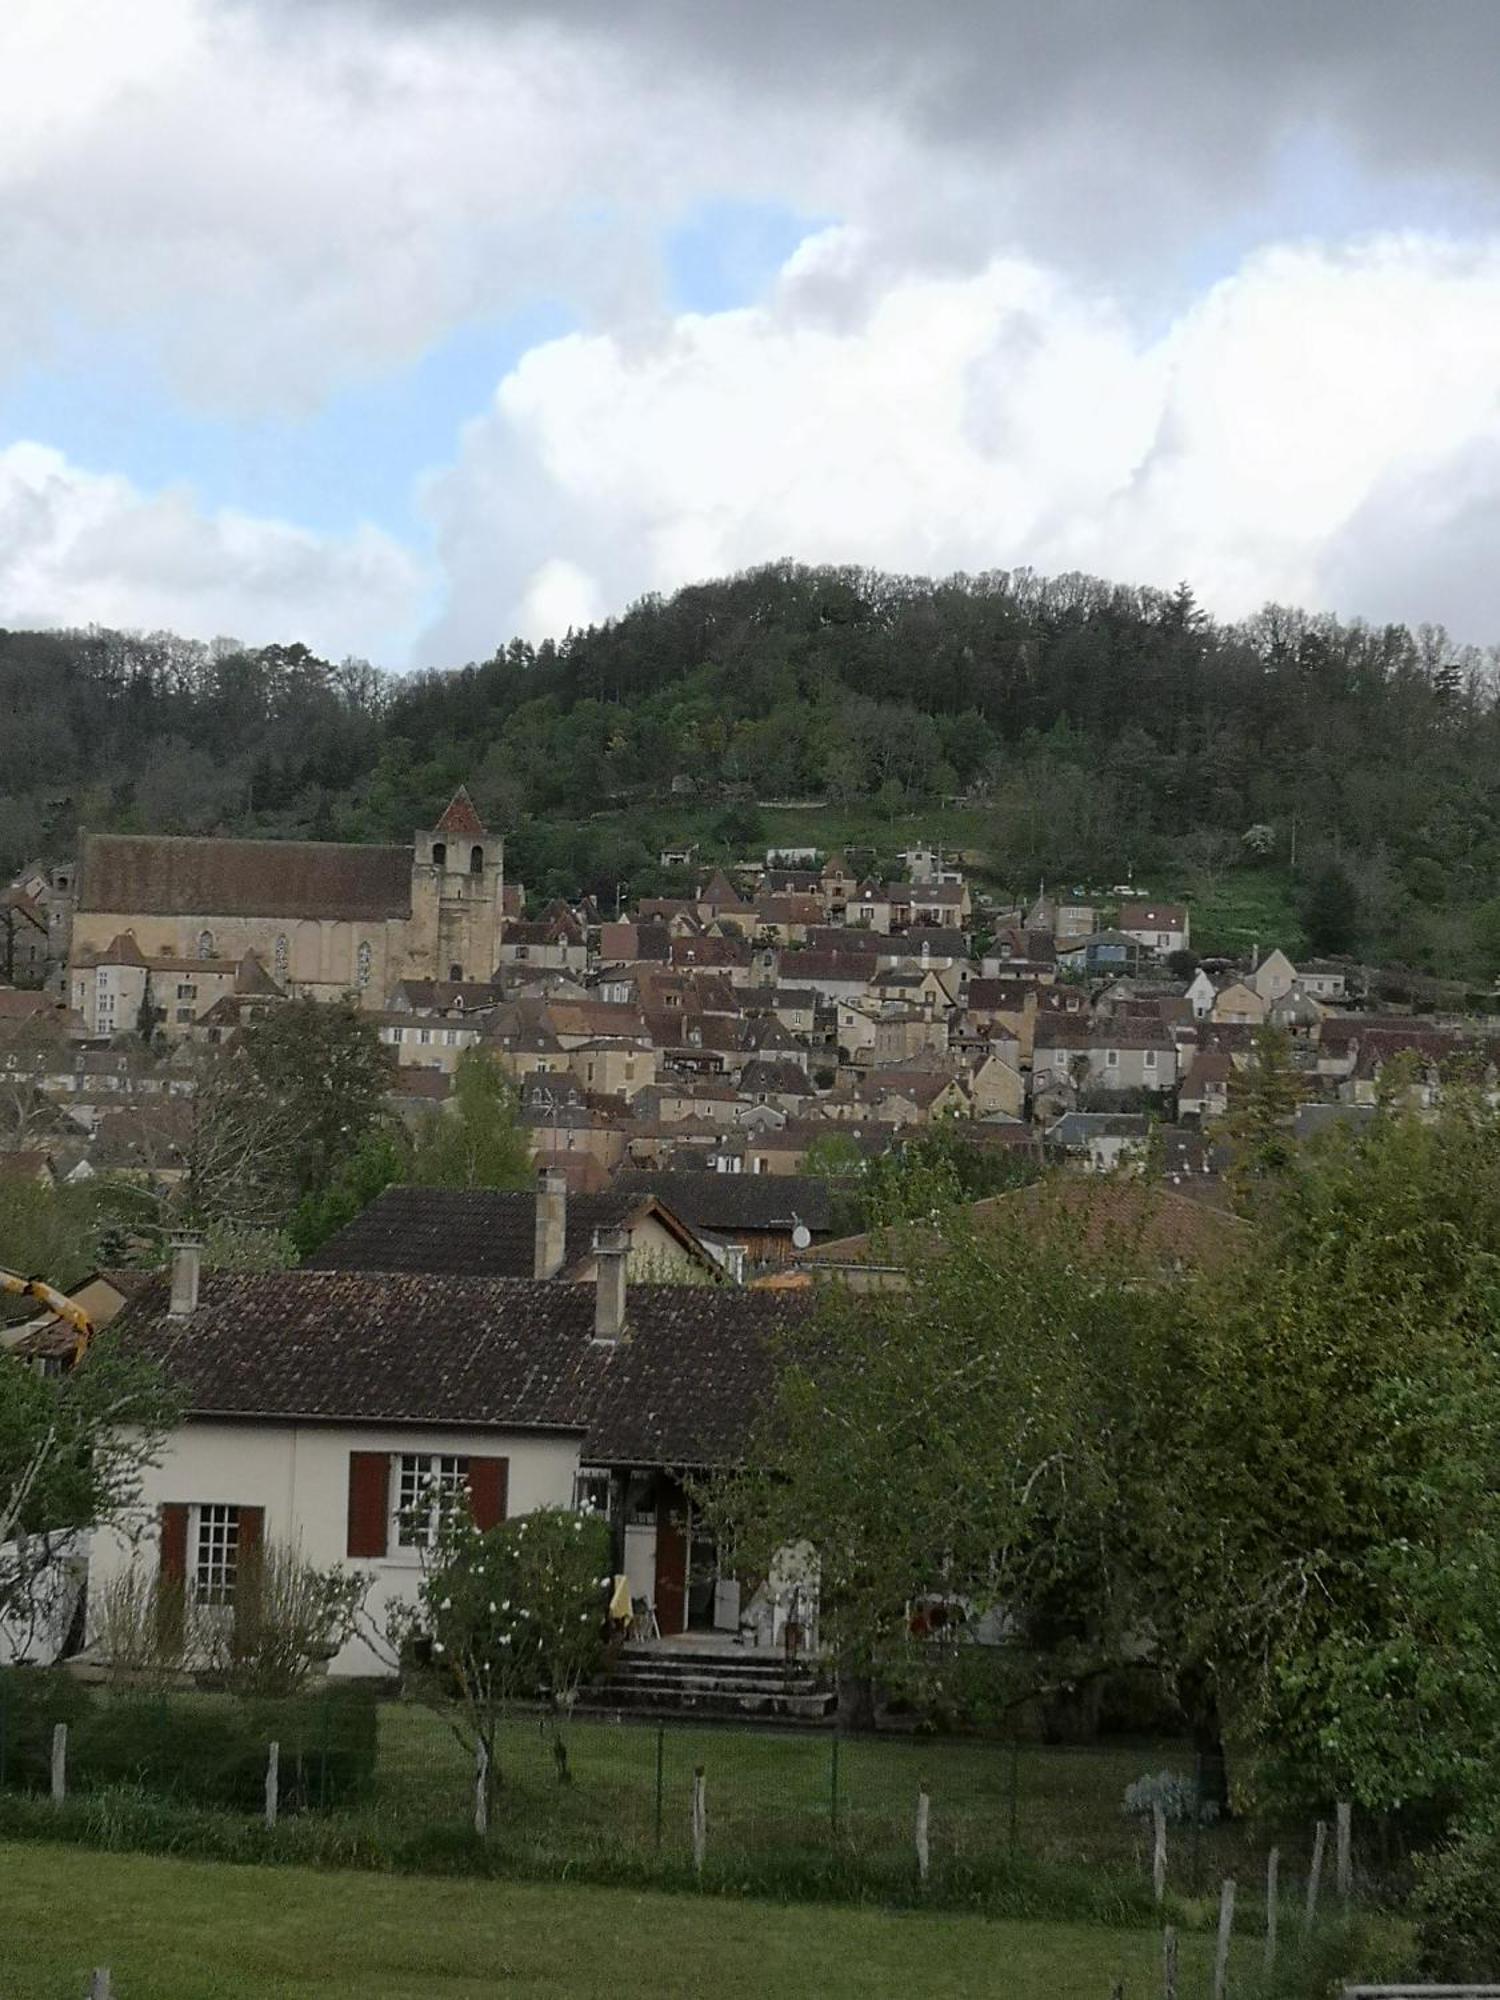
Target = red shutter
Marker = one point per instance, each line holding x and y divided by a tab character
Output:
171	1575
369	1502
488	1480
248	1576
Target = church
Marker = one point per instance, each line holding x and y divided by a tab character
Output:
324	918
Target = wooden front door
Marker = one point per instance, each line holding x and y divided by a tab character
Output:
671	1561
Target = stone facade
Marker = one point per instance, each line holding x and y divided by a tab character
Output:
323	919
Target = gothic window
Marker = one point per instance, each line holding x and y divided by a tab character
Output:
476	860
283	960
205	944
364	959
439	854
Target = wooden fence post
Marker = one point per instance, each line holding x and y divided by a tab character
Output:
924	1850
1273	1893
700	1820
1226	1926
481	1791
1169	1964
1159	1850
59	1762
1315	1869
273	1784
1343	1870
101	1987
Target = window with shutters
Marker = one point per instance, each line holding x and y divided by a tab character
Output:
428	1486
217	1554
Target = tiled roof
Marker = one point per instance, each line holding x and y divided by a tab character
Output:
161	875
465	1232
711	1202
460	816
330	1346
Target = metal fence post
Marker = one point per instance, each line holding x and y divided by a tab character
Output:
661	1747
833	1782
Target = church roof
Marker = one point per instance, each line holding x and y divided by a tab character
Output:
168	875
461	816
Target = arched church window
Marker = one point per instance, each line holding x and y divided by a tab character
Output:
205	944
283	960
476	860
439	854
364	961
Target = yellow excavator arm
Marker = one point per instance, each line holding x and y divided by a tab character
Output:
48	1295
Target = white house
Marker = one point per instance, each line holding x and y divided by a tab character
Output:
321	1403
1160	927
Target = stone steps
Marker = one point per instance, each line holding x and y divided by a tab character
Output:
701	1684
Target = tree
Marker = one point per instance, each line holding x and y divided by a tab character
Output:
278	1113
324	1063
72	1451
1263	1105
382	1158
1330	911
476	1141
946	1450
1326	1524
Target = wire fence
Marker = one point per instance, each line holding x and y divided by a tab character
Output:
961	1818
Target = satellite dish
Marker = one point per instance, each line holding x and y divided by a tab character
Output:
801	1236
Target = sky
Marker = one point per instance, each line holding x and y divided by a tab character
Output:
402	327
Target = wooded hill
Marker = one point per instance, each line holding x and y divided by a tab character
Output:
1091	730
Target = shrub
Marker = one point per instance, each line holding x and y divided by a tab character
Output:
1457	1901
213	1753
32	1699
1175	1793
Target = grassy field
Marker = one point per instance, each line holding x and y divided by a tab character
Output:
176	1930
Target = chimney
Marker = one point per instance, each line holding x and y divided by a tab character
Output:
551	1223
187	1265
611	1249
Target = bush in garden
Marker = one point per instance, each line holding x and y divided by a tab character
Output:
213	1753
1457	1900
32	1700
516	1612
1176	1794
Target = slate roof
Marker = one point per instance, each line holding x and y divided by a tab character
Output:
171	875
709	1201
467	1232
326	1346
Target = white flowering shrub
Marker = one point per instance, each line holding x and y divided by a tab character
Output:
517	1612
1175	1793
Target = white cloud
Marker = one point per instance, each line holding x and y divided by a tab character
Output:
969	423
79	547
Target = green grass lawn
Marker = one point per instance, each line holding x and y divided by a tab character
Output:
178	1930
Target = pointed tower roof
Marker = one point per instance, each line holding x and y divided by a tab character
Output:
460	816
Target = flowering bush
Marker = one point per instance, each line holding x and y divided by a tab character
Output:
514	1613
1176	1794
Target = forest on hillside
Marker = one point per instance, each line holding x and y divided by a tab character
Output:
1097	730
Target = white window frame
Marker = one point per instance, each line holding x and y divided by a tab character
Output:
425	1483
216	1552
1111	1058
1150	1058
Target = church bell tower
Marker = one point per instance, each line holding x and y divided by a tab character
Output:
458	889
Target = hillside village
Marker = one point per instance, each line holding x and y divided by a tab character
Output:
788	1006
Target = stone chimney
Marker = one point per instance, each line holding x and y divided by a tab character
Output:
551	1223
611	1251
187	1268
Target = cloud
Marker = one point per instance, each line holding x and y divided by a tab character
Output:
1011	417
79	547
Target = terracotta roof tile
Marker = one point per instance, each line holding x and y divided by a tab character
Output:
162	875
